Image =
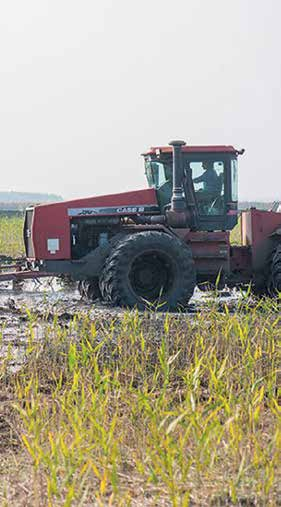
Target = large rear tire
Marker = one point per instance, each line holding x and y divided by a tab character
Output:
149	269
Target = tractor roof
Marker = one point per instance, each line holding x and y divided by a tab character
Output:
156	150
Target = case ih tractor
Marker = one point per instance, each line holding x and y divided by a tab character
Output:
153	246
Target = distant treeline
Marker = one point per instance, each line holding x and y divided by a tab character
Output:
254	204
18	201
31	197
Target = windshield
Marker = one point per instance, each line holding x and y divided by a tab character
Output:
155	173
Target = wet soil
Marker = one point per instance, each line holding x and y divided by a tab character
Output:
44	299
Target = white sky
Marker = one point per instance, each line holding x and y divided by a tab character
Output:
87	85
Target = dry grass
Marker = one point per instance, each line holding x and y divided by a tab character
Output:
146	410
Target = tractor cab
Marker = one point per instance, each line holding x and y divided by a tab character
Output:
209	180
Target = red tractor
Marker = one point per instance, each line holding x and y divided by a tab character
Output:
151	246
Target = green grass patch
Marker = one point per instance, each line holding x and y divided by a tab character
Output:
235	234
11	236
146	410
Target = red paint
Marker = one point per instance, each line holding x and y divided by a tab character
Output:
193	149
210	250
52	220
241	261
257	226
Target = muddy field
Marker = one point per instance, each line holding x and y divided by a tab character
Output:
50	298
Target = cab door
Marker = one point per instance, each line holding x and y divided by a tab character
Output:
214	176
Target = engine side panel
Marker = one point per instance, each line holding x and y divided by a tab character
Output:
51	223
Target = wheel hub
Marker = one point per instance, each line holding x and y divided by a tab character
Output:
151	275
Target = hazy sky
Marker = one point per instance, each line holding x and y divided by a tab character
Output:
86	86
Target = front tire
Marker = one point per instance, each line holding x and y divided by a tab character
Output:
89	289
149	269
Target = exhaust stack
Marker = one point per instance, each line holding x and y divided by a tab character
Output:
178	203
178	215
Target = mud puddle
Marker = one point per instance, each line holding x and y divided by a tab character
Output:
47	298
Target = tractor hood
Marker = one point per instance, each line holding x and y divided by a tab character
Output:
145	197
48	230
